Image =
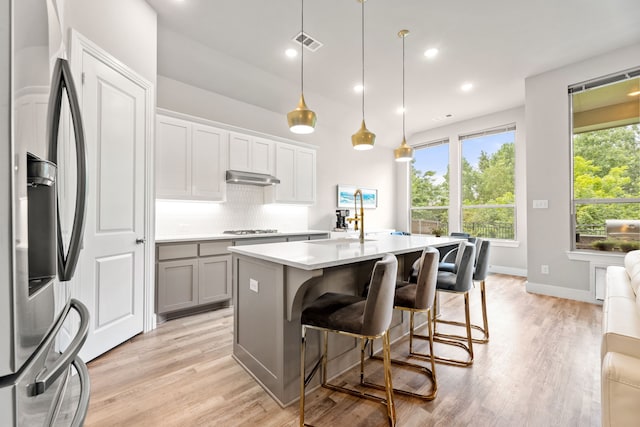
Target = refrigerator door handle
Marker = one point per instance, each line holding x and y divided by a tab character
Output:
85	386
60	81
49	375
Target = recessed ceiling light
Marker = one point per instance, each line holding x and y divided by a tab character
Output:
636	93
291	53
431	53
358	88
466	87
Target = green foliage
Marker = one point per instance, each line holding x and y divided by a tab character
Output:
613	244
606	165
608	149
491	182
426	190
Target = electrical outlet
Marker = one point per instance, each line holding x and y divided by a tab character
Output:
540	204
253	285
544	269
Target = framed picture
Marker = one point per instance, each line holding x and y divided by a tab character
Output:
345	197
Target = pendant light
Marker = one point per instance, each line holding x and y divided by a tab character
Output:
302	120
363	139
404	153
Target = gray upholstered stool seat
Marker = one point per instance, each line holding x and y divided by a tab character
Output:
364	318
334	311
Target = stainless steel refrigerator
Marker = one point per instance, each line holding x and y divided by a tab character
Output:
42	380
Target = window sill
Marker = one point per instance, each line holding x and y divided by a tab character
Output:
597	257
500	243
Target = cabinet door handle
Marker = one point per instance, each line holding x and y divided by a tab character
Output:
140	241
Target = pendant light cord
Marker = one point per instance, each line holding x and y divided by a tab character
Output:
403	110
363	88
302	49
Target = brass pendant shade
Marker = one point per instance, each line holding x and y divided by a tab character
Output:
302	120
404	153
363	139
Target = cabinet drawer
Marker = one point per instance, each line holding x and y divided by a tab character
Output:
215	248
177	251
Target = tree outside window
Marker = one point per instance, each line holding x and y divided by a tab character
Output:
488	184
606	164
430	189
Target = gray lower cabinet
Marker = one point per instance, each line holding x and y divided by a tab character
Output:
192	274
177	285
214	279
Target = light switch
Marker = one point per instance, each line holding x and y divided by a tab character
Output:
540	204
253	285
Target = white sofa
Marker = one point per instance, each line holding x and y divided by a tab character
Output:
620	349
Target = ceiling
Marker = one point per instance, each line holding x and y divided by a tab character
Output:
236	48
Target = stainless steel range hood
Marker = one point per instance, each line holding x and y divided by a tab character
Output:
251	178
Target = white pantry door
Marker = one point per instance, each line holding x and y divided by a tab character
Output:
112	278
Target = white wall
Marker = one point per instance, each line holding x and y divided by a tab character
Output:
126	29
337	161
549	174
244	209
506	257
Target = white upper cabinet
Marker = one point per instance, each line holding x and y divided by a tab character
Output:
296	169
208	164
191	160
251	154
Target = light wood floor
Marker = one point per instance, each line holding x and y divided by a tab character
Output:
541	368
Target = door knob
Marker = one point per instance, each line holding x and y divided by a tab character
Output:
140	241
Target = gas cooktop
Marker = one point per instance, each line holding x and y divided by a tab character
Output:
243	232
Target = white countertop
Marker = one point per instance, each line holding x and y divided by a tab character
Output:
220	236
315	254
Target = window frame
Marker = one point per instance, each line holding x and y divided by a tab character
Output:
510	127
599	82
427	145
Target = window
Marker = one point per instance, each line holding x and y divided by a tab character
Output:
488	183
606	163
430	189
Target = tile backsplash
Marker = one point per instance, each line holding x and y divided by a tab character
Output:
244	209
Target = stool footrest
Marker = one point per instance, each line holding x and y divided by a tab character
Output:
483	340
356	393
423	369
446	360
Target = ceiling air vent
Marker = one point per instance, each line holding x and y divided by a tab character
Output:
308	41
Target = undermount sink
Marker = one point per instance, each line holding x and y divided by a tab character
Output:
340	241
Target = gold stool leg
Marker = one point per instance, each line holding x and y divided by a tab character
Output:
391	409
483	297
323	372
468	324
302	373
411	326
430	373
433	361
452	339
484	329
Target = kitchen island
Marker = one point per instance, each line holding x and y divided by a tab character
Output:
273	282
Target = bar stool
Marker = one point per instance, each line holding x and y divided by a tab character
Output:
480	271
417	298
358	317
460	282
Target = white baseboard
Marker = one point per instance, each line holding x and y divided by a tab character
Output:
561	292
522	272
